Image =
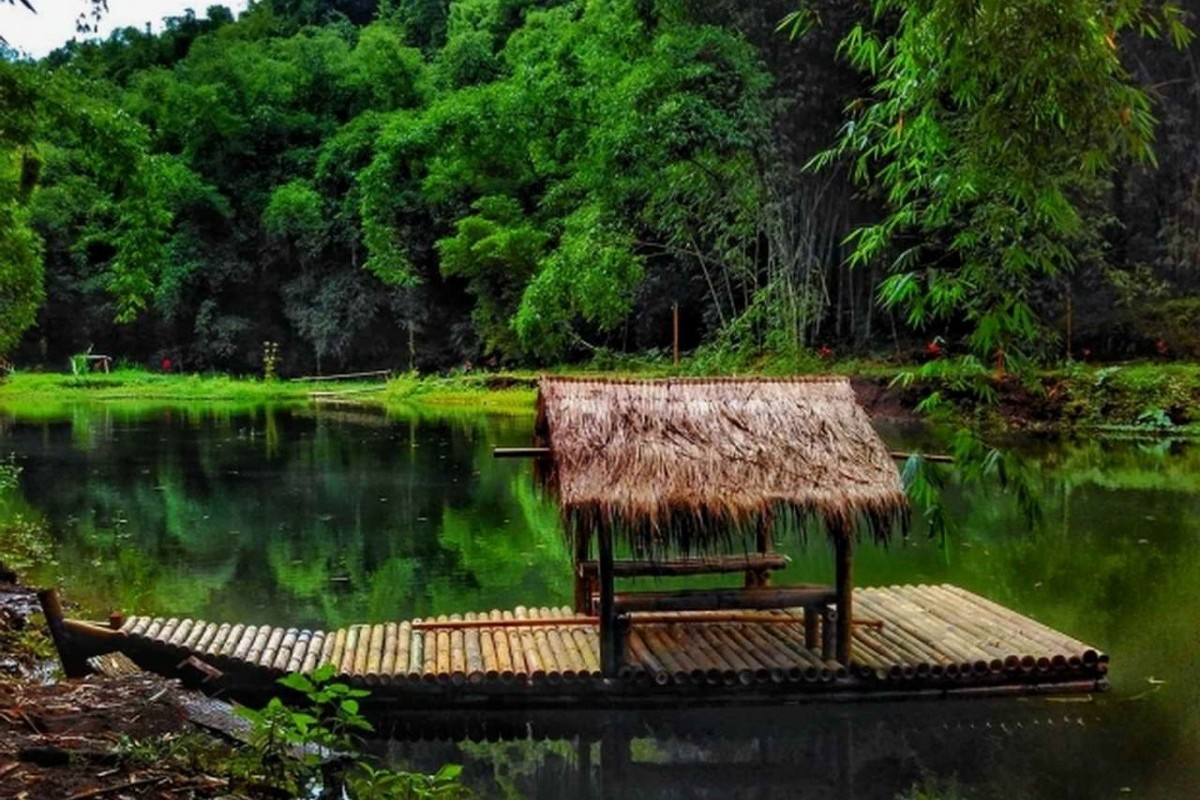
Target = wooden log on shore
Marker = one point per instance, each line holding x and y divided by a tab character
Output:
1031	628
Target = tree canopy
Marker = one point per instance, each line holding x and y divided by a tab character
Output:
522	181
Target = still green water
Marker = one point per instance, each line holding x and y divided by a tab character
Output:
293	517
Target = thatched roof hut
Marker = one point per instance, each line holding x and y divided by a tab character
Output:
697	464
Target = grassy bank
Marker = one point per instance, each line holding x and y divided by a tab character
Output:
1136	397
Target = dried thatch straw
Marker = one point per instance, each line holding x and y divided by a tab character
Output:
697	464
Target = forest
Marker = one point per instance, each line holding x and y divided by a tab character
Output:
433	184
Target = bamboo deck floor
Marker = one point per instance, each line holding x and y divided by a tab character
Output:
906	638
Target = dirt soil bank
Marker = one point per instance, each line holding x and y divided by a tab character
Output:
99	737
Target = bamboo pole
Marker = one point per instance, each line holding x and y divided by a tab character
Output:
416	653
214	644
541	640
269	652
654	668
373	658
155	626
473	648
458	653
296	658
283	652
536	668
404	636
207	636
1088	654
135	625
959	627
243	646
193	638
254	654
346	665
743	669
167	630
441	662
786	660
387	658
567	665
954	651
312	658
516	649
663	648
697	664
182	631
942	627
327	648
771	656
915	648
232	640
500	640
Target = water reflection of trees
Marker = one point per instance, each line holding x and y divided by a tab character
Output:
322	522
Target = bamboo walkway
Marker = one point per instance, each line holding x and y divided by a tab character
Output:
905	637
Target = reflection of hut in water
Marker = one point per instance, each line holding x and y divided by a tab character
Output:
666	478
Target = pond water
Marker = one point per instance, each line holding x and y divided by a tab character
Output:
304	518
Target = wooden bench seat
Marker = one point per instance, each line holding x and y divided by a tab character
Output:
689	566
720	599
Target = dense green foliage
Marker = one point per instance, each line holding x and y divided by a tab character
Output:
423	184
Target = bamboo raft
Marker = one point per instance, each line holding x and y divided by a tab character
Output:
909	640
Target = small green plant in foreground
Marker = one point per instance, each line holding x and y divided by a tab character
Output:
290	746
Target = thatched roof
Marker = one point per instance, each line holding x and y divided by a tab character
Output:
699	463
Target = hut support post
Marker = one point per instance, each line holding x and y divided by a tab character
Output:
845	595
761	578
583	582
610	639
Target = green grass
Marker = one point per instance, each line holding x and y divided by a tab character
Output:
1143	397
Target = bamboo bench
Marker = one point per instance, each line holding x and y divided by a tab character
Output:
756	566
